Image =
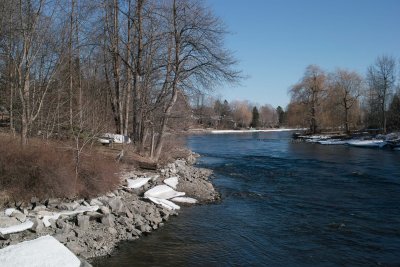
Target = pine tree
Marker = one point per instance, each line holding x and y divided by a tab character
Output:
255	122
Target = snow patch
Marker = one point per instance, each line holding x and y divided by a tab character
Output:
172	182
165	203
184	200
137	183
81	209
163	192
17	228
44	251
9	211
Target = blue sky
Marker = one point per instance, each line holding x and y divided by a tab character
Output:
275	40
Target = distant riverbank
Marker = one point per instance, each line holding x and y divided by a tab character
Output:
213	131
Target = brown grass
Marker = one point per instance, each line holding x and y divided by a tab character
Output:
47	170
174	148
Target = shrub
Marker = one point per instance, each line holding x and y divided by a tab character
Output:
174	148
47	170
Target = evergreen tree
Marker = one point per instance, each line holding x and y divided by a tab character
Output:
255	122
394	113
281	114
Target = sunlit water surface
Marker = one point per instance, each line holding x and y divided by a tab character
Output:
283	204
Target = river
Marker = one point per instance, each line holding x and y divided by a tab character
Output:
283	204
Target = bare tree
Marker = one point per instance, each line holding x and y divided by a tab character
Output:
309	92
381	79
345	89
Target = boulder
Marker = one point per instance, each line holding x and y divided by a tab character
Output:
117	206
68	205
105	210
112	230
83	221
40	208
108	220
38	225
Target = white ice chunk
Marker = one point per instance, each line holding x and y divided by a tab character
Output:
333	142
55	216
367	143
184	200
9	211
44	251
16	228
172	182
137	183
163	192
165	203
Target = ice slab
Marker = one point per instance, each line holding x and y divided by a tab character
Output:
172	182
163	192
367	143
16	228
332	142
165	203
137	183
184	200
9	211
56	215
44	251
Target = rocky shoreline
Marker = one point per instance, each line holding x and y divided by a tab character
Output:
123	214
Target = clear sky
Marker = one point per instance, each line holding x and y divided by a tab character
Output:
275	40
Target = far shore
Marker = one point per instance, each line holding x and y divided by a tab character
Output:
212	131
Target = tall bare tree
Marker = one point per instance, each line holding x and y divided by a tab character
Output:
381	79
345	89
309	92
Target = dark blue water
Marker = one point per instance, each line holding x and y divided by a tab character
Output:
283	204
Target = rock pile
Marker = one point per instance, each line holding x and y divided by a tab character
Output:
92	227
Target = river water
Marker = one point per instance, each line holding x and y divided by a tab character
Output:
283	204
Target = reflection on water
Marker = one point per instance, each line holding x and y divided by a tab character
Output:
283	203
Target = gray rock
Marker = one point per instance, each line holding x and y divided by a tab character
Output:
117	206
112	230
145	228
110	195
83	221
40	208
68	206
19	216
38	225
75	247
95	202
94	215
4	236
108	220
53	202
105	210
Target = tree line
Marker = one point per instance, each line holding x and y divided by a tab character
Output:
70	68
219	114
344	100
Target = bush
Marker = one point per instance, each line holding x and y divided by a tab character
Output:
174	148
47	170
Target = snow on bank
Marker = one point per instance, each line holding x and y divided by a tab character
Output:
137	183
55	216
251	131
16	228
43	251
367	143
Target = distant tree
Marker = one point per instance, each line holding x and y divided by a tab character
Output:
381	80
345	89
255	121
308	92
281	115
226	109
241	113
394	113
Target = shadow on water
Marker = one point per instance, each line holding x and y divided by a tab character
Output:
283	203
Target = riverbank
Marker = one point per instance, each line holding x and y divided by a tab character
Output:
123	214
388	141
214	131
